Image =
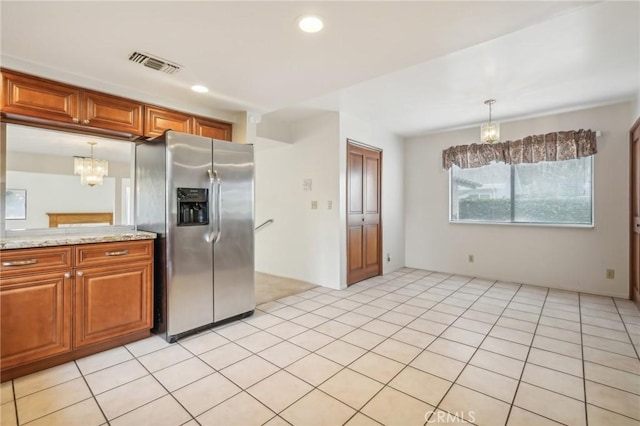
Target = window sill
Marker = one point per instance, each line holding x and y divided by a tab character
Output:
534	224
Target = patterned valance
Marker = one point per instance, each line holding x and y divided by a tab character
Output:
555	146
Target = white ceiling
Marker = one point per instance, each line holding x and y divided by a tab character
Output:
414	67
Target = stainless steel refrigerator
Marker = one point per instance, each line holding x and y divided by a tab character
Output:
197	195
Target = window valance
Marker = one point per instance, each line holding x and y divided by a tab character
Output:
556	146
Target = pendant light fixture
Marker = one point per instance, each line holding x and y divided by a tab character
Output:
490	132
91	170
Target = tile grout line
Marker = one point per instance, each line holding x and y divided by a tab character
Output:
584	372
524	366
466	364
317	387
626	329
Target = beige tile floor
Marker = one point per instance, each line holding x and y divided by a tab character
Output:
410	348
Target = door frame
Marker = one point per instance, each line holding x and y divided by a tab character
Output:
632	163
346	208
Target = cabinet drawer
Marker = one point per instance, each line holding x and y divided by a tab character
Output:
113	253
29	261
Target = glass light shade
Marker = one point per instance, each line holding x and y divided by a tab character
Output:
91	170
490	132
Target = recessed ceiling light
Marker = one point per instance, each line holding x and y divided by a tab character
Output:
310	23
199	88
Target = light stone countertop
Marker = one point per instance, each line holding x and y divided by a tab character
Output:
50	239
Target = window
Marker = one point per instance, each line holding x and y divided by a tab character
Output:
558	192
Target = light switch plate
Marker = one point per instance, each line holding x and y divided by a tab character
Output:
314	205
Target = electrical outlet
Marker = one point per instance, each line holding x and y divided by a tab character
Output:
329	205
611	273
314	205
471	259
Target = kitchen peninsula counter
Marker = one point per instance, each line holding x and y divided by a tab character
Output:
47	238
70	293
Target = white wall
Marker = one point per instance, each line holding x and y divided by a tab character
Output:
310	244
565	258
392	189
50	193
52	187
636	110
302	243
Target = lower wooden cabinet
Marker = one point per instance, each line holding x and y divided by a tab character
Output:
111	301
36	317
91	298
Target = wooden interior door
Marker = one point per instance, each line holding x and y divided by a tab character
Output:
364	227
635	212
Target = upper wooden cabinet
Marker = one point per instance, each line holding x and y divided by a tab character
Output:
46	100
111	112
212	129
37	101
39	98
157	120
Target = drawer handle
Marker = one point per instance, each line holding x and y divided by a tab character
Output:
20	262
116	253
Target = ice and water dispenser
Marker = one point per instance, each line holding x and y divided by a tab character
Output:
193	206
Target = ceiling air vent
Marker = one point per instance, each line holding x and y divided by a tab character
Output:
154	62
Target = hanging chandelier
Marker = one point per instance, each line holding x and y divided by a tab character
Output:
490	132
91	170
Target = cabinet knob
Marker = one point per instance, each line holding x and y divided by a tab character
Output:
67	275
79	273
75	120
86	121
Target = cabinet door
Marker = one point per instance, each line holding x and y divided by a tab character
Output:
111	113
212	129
157	120
36	317
39	98
111	301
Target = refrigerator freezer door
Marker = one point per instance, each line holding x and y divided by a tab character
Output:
233	257
189	253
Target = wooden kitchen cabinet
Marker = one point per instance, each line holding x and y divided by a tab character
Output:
112	113
63	303
39	98
157	120
61	105
26	99
211	129
35	304
36	317
111	301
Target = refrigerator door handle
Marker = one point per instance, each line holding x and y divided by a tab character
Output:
212	181
218	214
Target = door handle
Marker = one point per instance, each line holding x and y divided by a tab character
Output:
211	235
116	253
363	219
218	213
